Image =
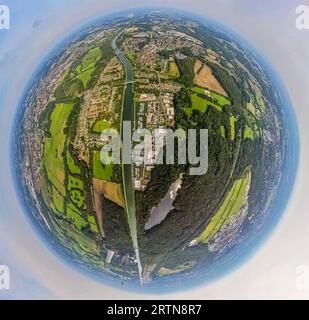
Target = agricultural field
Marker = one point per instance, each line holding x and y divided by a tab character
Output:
211	98
91	58
74	216
81	242
232	127
252	127
75	183
251	107
78	198
198	103
222	101
73	168
54	146
203	98
100	170
57	203
173	70
74	81
86	68
230	207
204	78
111	190
248	133
93	224
76	190
66	198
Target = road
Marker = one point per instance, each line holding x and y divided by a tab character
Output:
128	115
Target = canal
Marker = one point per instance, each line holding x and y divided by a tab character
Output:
128	115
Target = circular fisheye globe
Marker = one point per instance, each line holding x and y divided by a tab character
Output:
207	101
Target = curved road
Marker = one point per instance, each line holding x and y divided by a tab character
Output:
128	115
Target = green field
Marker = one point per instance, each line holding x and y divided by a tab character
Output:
75	183
248	133
100	170
57	203
198	90
100	126
173	70
77	197
74	238
72	88
93	224
202	99
86	68
85	77
73	168
74	216
216	106
202	104
76	190
217	98
54	146
54	159
91	58
222	131
230	207
232	127
198	103
220	100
